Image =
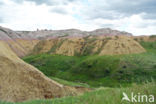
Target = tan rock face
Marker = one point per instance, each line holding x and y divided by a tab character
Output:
26	44
21	47
101	45
71	46
121	45
20	81
44	46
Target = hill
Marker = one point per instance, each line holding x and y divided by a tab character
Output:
102	57
90	45
23	42
20	81
48	34
21	45
106	70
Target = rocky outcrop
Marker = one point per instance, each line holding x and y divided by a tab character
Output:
91	45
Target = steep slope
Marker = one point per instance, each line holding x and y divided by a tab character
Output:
20	81
121	45
90	45
21	45
44	46
70	47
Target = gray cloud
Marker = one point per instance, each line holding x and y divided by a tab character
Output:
1	13
114	9
60	10
107	25
1	3
38	2
1	20
99	13
47	2
129	7
149	16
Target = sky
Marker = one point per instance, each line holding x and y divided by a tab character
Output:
135	16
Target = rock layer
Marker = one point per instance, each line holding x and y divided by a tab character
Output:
20	44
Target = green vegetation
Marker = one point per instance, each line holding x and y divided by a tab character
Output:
88	50
149	46
101	96
136	39
153	36
110	71
53	49
70	83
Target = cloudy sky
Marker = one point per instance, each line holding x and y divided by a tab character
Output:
134	16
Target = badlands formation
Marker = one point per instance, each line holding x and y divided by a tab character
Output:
71	42
20	81
100	45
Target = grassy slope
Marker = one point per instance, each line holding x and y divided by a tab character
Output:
100	70
101	96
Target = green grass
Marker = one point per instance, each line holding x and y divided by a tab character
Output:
149	46
70	83
110	71
101	96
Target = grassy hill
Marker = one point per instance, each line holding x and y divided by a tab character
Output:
108	70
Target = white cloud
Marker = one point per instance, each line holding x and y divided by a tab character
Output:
30	16
138	26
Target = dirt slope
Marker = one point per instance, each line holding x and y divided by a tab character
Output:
121	45
101	45
20	81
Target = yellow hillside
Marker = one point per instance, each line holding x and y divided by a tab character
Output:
20	81
101	45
